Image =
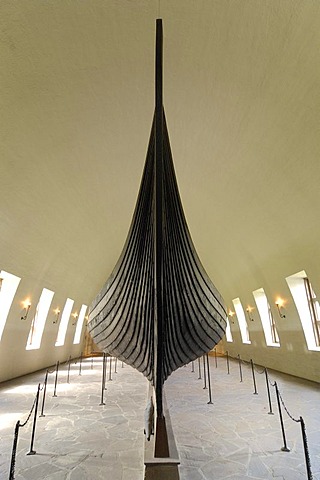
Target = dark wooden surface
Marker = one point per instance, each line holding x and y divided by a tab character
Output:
158	310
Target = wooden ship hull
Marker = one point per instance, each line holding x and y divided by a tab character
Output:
158	310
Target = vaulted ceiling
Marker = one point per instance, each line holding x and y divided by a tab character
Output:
241	93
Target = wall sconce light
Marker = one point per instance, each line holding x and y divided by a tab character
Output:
230	314
26	307
249	315
75	316
279	304
57	314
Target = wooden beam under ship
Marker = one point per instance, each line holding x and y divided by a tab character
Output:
158	310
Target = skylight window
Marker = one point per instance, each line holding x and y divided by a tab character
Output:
308	308
242	320
268	323
8	284
80	321
39	320
228	332
64	322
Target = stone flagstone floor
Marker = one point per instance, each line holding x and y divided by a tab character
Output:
234	438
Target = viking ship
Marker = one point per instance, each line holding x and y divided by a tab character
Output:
158	310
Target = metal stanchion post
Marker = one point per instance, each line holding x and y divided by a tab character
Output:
44	394
80	363
91	362
215	357
115	365
199	378
192	366
68	377
285	447
204	373
306	450
209	381
122	365
240	369
105	369
253	378
14	450
33	452
103	378
268	390
228	368
110	369
56	380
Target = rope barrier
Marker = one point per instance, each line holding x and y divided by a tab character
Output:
303	432
258	371
245	362
30	413
34	409
16	435
280	402
254	368
286	410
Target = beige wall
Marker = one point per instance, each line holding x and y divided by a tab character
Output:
15	360
241	90
291	357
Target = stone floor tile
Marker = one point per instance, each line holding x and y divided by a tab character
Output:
232	439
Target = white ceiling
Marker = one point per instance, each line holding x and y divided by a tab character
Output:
241	92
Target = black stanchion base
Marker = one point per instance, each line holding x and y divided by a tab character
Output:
255	393
209	403
101	403
54	395
270	413
32	452
285	449
43	415
204	388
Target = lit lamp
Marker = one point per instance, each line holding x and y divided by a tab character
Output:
57	314
75	316
231	313
26	307
249	310
279	304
